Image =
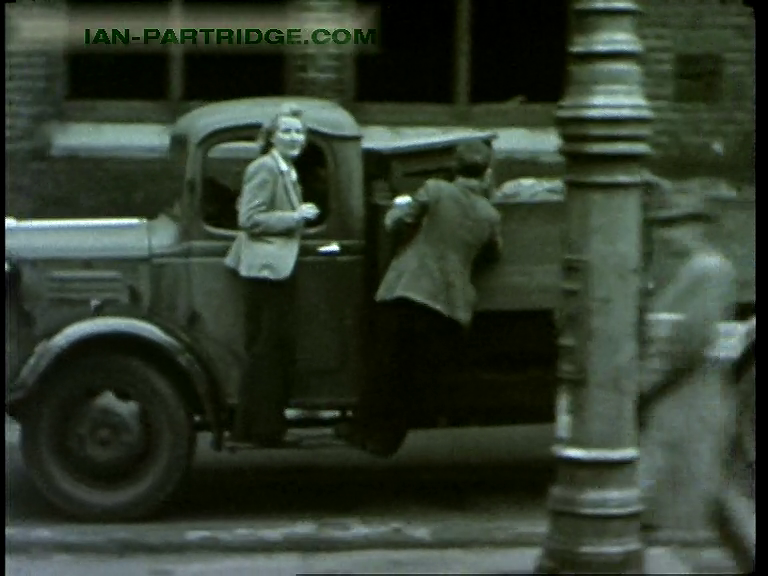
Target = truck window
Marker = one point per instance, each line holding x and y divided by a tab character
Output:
222	178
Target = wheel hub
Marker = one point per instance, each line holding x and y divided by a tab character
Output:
110	432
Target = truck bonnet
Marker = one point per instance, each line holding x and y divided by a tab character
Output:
82	239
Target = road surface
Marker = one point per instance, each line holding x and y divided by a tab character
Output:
498	473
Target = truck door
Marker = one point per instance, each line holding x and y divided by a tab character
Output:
330	277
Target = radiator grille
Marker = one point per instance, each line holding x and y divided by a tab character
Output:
104	285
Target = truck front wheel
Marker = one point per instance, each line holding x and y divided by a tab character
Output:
108	439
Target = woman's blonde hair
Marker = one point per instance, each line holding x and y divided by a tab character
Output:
268	130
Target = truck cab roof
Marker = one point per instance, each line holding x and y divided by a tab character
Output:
321	116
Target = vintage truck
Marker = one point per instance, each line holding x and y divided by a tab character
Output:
124	337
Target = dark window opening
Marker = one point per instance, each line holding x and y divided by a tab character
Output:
118	73
313	171
698	78
238	72
223	171
117	76
518	51
212	76
414	60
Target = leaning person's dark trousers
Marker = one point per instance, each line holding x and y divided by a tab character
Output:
270	337
418	348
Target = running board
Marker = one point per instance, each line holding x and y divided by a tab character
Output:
296	439
302	418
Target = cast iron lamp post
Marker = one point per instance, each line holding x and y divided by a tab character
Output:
605	123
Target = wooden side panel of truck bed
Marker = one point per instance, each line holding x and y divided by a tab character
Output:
528	275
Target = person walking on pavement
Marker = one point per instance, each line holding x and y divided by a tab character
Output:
683	406
426	299
271	218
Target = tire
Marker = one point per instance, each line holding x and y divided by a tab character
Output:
63	439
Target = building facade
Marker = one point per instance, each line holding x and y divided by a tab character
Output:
700	75
483	63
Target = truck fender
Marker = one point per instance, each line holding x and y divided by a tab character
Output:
95	330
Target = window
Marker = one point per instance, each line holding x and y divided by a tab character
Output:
463	52
415	57
108	76
222	74
212	76
314	177
518	50
698	78
113	72
222	177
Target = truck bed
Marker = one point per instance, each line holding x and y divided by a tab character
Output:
528	276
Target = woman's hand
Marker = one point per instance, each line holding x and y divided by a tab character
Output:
308	211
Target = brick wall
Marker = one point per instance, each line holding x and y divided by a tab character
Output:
700	75
96	188
34	84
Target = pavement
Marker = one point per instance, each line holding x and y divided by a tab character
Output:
446	561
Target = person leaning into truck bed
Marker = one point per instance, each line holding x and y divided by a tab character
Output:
426	299
271	217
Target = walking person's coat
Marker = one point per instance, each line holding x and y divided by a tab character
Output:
685	400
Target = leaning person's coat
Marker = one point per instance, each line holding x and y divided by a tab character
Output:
456	224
